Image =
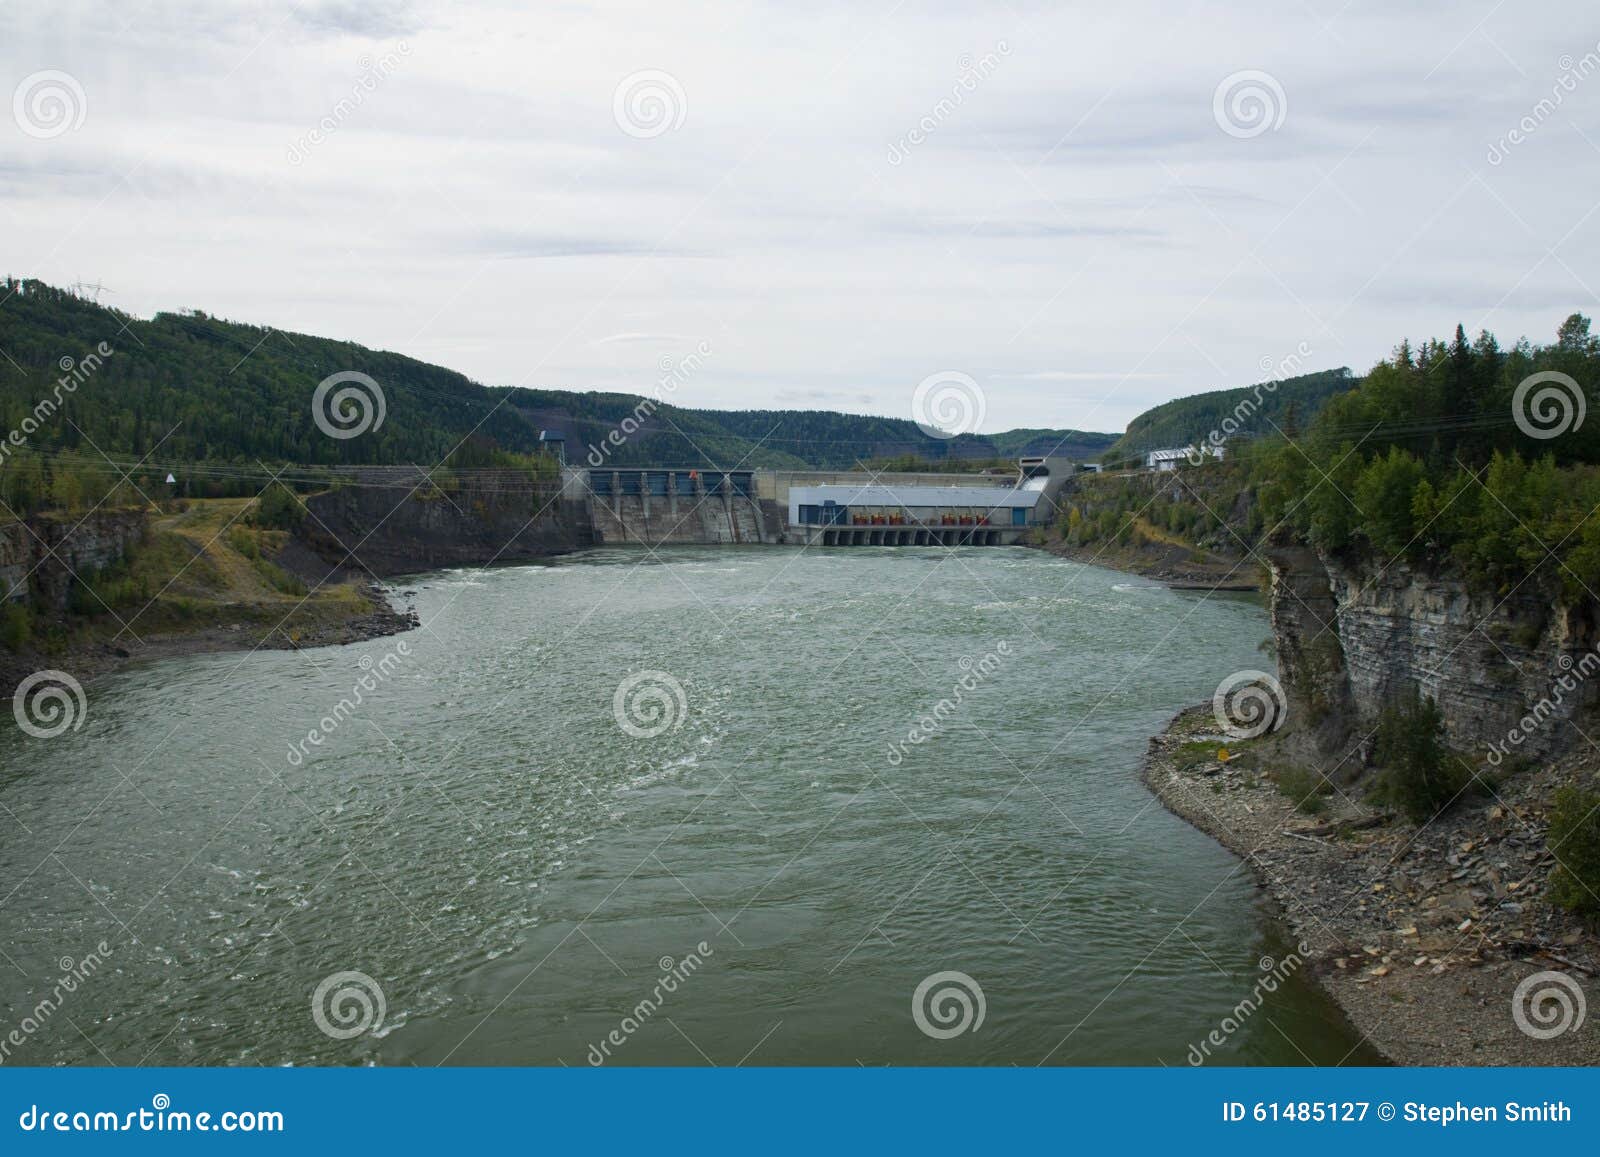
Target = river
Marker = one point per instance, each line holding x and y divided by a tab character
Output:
748	841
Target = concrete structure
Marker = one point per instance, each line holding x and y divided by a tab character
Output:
872	512
656	507
661	507
775	484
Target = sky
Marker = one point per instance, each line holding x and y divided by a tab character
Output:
1085	209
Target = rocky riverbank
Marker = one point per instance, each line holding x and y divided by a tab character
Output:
127	585
1174	564
1423	935
363	612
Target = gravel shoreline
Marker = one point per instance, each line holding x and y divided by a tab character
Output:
1423	935
91	659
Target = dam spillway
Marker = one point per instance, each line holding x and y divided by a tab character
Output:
659	507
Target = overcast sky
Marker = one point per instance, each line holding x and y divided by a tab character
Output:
838	200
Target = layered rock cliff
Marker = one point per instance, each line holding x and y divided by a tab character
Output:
39	555
1513	672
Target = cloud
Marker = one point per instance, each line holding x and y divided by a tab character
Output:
1079	210
373	19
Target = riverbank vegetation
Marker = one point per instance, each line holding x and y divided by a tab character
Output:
206	564
1447	455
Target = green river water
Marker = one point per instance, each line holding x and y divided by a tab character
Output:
514	858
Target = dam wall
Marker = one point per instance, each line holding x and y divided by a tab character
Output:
677	507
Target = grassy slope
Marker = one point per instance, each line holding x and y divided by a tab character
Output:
204	568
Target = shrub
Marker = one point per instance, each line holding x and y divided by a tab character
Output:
1421	776
15	629
279	579
243	541
1574	838
278	508
1306	788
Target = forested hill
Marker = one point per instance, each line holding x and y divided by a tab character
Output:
205	389
1183	421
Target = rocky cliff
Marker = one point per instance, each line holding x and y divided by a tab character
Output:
39	555
1512	672
399	529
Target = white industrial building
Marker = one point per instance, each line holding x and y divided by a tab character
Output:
1173	458
875	514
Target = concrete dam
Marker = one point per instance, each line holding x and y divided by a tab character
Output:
658	507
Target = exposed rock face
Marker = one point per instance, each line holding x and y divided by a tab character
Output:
40	555
1512	673
389	530
1311	659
